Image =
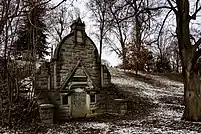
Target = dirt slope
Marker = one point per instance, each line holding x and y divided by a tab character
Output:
155	105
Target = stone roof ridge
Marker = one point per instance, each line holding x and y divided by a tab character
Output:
74	27
78	20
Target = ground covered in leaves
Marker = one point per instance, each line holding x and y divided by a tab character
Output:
155	105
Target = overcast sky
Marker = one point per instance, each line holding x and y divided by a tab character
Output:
112	57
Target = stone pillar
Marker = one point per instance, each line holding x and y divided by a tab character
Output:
47	113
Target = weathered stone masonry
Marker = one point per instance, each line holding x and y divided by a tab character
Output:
71	83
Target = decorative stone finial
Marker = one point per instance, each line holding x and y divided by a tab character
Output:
77	25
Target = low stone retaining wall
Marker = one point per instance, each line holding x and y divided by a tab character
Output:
117	107
121	106
47	113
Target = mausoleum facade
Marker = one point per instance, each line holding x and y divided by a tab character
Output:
74	80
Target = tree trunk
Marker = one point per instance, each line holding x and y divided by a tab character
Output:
192	97
138	40
10	102
187	52
124	60
1	108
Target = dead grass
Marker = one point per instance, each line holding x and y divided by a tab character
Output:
155	105
146	79
171	76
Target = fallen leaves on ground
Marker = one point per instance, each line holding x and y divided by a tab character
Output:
155	105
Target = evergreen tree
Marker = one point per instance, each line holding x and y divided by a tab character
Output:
31	33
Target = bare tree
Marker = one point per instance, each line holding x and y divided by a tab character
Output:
189	52
11	12
98	8
99	11
58	24
173	55
122	15
118	27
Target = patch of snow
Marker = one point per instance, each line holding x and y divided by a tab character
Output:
129	130
96	125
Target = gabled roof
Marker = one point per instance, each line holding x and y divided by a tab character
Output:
70	75
78	21
56	52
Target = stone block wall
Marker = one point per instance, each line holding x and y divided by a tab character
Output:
47	113
64	112
112	102
42	84
75	48
106	77
69	55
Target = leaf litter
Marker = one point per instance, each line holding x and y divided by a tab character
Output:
156	106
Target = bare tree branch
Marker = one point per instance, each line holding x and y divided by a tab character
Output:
196	57
173	8
113	46
197	9
197	43
58	4
158	8
163	23
195	13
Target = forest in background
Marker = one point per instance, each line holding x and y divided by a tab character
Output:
148	35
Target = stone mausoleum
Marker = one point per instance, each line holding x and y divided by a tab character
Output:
74	82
